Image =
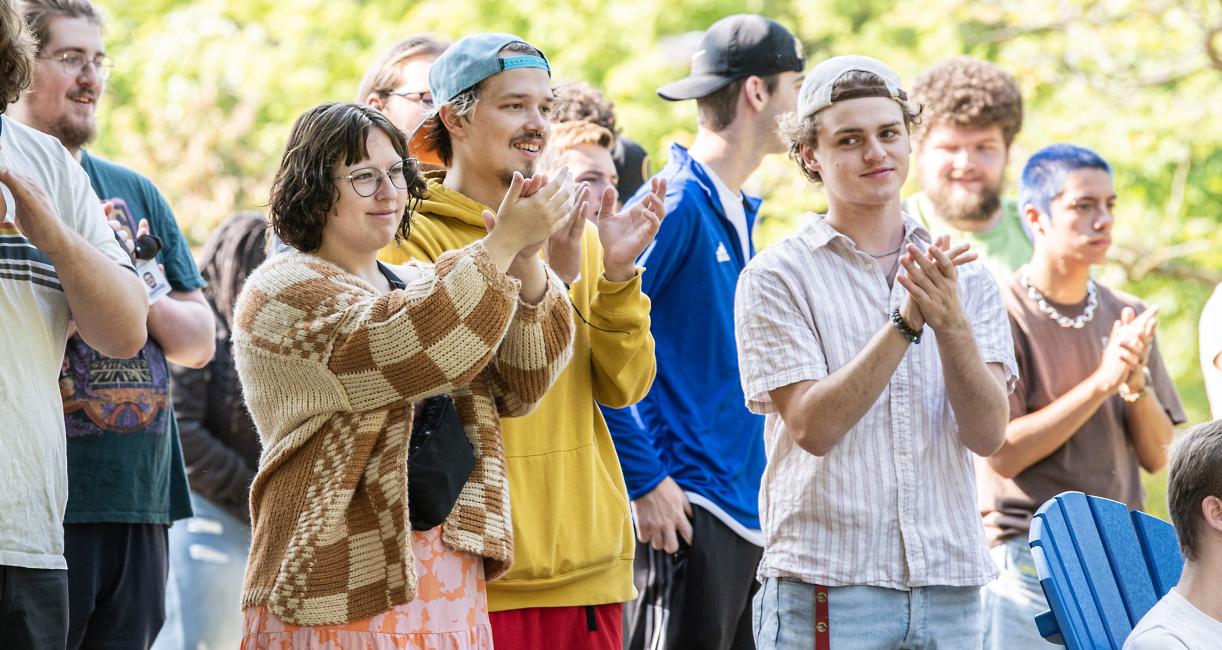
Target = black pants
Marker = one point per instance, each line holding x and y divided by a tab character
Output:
116	584
33	608
698	598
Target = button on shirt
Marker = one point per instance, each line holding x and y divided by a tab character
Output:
893	504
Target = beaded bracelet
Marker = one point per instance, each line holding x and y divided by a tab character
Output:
912	335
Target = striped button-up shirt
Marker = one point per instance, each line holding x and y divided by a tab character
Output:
893	504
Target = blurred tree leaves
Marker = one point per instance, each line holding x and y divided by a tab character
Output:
204	93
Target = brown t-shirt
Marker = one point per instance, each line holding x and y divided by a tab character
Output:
1099	458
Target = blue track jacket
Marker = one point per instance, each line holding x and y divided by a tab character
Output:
693	426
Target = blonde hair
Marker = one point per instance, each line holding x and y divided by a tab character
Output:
567	135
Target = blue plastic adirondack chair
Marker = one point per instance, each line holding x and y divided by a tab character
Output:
1102	568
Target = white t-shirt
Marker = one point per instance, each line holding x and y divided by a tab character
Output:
732	205
34	316
1211	347
1175	624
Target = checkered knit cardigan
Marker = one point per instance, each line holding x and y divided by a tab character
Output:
330	369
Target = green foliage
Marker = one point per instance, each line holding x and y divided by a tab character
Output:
204	94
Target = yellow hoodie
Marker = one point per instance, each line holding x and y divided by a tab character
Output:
572	532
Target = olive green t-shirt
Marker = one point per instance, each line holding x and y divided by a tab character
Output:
1099	458
1002	249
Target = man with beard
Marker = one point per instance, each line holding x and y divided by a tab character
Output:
572	531
692	452
58	255
971	112
126	480
1094	402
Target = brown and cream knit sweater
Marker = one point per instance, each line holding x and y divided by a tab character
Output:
330	369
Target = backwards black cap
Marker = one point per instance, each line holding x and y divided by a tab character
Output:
736	47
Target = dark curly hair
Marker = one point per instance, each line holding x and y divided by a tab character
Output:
304	190
578	100
963	91
798	131
17	61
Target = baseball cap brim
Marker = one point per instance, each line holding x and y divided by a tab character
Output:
419	146
693	87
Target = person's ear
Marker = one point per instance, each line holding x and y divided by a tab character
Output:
755	92
1211	510
454	124
1036	221
374	100
810	158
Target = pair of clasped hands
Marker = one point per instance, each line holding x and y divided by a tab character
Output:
540	210
932	283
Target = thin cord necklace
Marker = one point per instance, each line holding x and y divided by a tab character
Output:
882	255
1092	301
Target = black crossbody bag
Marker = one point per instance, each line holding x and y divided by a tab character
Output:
439	462
440	458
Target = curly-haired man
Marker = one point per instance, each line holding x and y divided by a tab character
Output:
971	111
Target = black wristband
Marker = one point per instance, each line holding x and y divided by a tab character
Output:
912	335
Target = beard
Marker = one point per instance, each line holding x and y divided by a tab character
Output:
506	175
964	207
73	133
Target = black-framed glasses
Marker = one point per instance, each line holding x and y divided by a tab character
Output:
366	180
425	98
72	63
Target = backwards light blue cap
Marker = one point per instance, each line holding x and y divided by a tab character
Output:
472	60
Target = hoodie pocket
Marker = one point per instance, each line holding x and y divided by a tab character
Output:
569	516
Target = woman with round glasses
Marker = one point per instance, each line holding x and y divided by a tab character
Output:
333	348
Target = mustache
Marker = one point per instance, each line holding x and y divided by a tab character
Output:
528	135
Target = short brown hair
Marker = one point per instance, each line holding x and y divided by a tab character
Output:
963	91
40	13
853	84
304	190
717	111
386	72
579	100
463	105
567	135
17	62
1196	473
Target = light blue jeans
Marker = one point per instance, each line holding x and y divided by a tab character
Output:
207	563
1012	601
867	618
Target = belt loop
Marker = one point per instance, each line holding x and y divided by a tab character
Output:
591	619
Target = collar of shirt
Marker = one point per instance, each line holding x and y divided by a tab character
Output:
817	233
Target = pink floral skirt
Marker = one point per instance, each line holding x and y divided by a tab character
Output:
450	612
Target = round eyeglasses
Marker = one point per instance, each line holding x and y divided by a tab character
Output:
73	63
366	180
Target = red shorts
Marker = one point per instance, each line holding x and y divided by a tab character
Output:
597	627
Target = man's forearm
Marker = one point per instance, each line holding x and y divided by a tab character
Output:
820	413
1150	429
977	399
184	328
1033	437
108	302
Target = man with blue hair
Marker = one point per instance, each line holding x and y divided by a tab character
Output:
1093	403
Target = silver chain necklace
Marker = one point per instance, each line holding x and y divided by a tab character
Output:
1092	301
